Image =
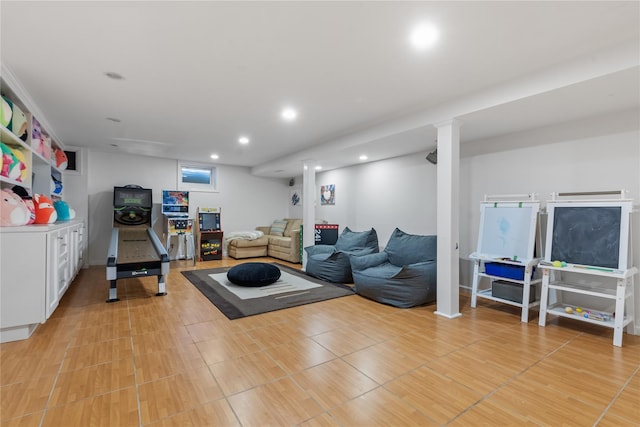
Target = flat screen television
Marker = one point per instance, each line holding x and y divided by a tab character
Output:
590	234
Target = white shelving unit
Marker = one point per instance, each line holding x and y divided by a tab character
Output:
588	257
39	261
479	273
39	170
616	286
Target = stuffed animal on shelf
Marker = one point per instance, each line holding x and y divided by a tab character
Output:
65	213
38	140
45	212
61	159
19	123
22	165
26	198
13	210
56	187
10	163
6	112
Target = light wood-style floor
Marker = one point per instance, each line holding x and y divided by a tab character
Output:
177	361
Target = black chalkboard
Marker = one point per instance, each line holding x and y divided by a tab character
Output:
587	235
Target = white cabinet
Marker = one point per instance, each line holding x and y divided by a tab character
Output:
38	262
527	293
614	290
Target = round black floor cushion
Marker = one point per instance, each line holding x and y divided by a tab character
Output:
253	274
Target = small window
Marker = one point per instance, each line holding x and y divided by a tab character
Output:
197	177
74	160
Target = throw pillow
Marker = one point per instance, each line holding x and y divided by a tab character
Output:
292	224
277	228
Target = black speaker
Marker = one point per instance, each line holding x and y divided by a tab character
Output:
432	157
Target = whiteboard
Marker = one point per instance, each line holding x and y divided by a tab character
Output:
508	230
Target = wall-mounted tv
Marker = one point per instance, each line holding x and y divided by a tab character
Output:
591	234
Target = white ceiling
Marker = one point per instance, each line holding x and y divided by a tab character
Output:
197	75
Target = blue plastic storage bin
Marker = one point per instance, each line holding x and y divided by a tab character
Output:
507	271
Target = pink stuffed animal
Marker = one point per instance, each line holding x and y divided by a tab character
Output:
45	212
13	210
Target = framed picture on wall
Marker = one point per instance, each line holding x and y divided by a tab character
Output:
328	194
197	177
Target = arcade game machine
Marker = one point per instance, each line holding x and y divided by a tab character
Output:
209	234
135	249
175	208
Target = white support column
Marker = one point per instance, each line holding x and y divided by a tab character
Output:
448	228
308	207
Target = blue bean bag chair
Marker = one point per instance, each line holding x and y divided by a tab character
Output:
402	275
331	262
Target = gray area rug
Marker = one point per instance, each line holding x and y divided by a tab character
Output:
293	289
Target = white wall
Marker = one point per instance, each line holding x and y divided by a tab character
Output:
246	200
399	192
606	159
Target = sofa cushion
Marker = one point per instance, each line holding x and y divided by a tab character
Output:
277	228
406	249
349	240
282	242
292	225
253	274
249	243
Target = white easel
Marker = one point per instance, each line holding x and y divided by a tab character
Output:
622	294
520	253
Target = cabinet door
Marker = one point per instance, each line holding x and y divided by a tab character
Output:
74	249
22	293
58	274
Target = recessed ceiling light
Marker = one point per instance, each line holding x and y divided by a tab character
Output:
424	36
363	157
215	156
318	167
243	140
289	114
113	75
